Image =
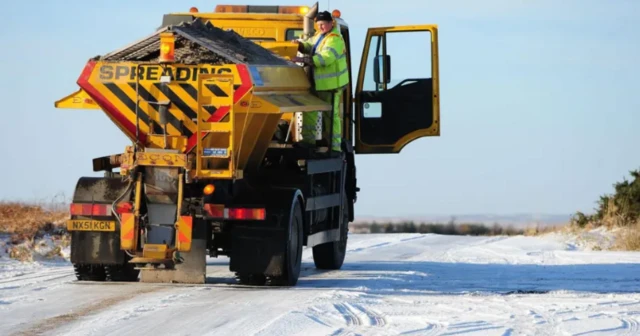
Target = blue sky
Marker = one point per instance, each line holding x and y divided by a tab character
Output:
539	101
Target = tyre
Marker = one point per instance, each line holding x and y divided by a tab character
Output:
293	249
125	273
330	256
89	272
251	279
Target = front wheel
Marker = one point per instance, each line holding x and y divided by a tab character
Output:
330	256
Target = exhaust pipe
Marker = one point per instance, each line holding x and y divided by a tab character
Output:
309	19
308	30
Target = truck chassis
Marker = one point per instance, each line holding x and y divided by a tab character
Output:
308	200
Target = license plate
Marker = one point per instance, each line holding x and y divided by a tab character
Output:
90	225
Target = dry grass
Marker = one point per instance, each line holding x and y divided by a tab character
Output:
540	230
26	222
628	238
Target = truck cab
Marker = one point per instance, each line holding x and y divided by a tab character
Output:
383	112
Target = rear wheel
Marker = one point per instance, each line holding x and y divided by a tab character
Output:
331	255
89	272
293	250
126	272
251	279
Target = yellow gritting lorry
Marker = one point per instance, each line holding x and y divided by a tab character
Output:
212	105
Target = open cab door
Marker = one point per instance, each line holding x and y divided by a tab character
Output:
397	98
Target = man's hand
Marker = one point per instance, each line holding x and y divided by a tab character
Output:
305	60
299	44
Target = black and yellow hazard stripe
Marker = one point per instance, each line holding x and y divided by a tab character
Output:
128	106
182	114
216	90
174	121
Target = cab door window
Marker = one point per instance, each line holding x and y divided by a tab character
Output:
397	91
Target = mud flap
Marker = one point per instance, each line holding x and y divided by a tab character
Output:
261	247
193	268
97	248
258	250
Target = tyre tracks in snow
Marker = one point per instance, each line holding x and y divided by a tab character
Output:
76	313
358	318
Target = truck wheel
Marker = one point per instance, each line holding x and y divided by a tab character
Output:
126	272
89	272
251	279
293	250
330	256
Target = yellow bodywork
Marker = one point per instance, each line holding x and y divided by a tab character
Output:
234	108
220	133
256	26
77	100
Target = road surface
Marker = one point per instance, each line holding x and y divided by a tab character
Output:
391	284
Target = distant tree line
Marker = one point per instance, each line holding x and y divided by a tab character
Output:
450	228
622	208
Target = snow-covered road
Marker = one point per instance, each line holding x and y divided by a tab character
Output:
391	284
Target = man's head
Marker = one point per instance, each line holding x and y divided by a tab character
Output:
324	22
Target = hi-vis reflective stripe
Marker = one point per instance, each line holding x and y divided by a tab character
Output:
128	232
335	53
184	233
321	46
331	75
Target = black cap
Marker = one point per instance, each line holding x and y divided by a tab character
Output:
324	16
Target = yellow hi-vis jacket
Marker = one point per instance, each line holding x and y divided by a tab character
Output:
329	56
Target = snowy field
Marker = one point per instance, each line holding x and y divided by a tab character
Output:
402	284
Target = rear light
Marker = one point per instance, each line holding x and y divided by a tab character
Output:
243	214
214	210
124	207
219	211
84	209
80	209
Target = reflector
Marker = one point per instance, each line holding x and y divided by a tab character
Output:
209	189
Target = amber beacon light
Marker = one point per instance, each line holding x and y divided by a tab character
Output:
209	189
167	48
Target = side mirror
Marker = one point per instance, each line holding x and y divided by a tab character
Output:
384	62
